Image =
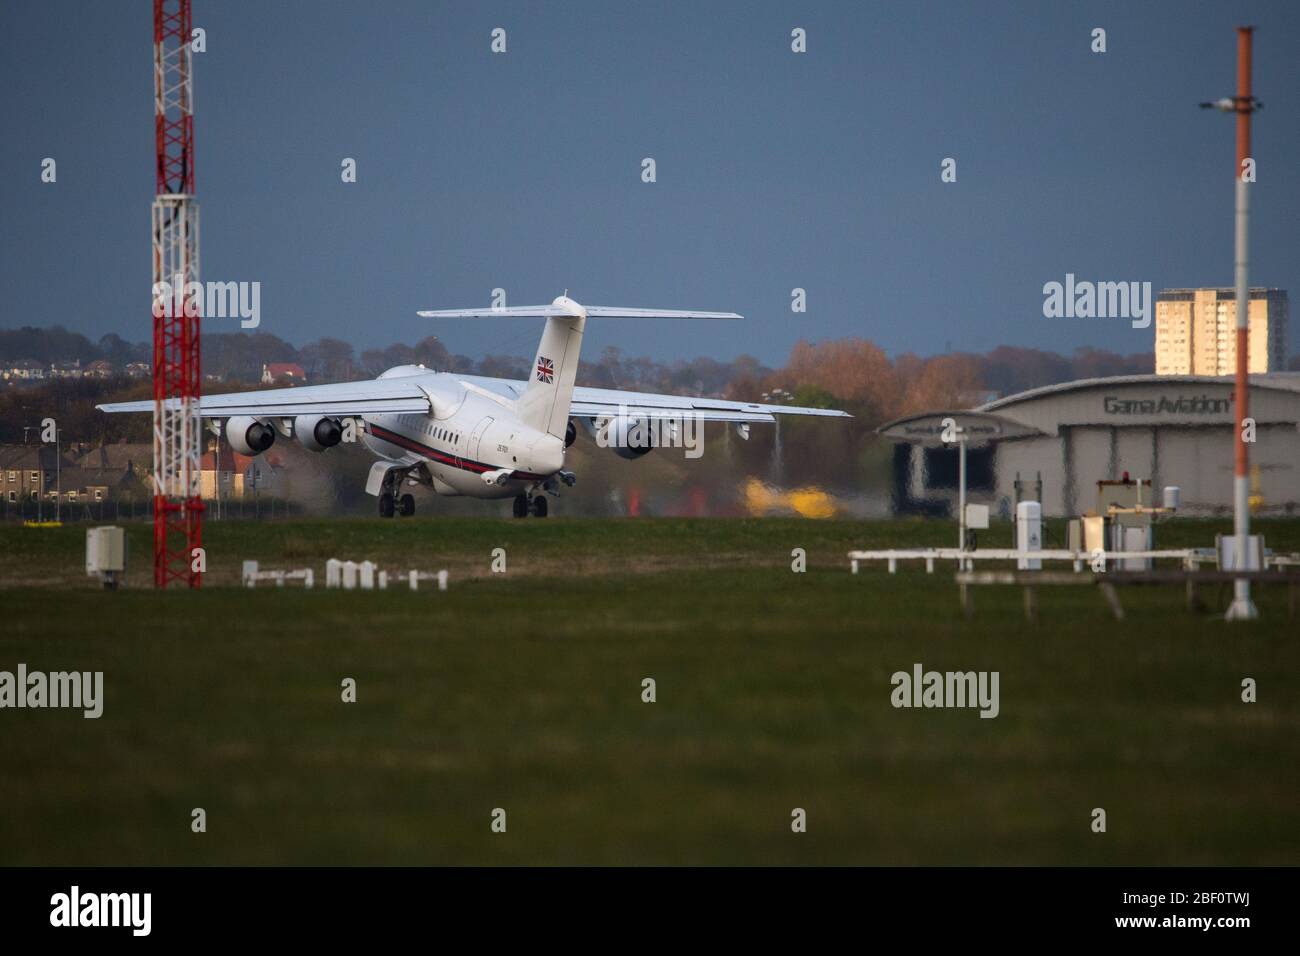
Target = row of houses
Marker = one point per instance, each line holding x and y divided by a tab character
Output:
30	370
80	473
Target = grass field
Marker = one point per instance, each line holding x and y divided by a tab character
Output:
522	691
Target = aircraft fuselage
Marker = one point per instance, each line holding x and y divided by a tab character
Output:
464	438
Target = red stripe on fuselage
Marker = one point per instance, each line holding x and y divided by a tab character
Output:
428	451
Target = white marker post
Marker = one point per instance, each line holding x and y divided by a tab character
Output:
961	487
958	435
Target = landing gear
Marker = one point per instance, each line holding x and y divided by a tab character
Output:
391	500
526	505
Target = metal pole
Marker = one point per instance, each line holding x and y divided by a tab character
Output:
1242	607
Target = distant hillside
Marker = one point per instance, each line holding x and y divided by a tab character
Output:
57	344
853	372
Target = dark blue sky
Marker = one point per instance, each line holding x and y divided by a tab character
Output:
775	170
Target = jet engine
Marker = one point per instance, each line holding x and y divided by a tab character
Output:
570	434
317	432
248	436
630	436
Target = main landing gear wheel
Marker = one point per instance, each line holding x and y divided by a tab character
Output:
408	505
386	505
539	507
521	506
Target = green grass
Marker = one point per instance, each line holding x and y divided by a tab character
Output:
523	691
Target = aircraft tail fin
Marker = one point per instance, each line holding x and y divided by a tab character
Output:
545	403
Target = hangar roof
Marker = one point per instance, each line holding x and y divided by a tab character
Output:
926	428
1146	401
1285	381
1121	401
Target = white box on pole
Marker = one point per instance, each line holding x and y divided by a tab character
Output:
1029	534
1136	539
106	554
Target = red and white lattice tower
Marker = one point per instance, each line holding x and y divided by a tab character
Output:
178	507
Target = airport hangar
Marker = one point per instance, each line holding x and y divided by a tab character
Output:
1171	429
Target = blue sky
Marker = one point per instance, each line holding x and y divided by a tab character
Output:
775	170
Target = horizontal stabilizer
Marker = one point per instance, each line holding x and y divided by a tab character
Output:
514	312
615	312
556	311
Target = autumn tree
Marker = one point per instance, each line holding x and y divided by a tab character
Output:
853	370
945	381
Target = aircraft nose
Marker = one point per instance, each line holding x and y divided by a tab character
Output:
547	455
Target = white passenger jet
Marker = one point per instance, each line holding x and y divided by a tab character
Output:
472	435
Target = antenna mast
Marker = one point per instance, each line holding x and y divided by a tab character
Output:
177	504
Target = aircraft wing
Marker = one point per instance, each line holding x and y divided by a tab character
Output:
598	402
402	396
375	397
